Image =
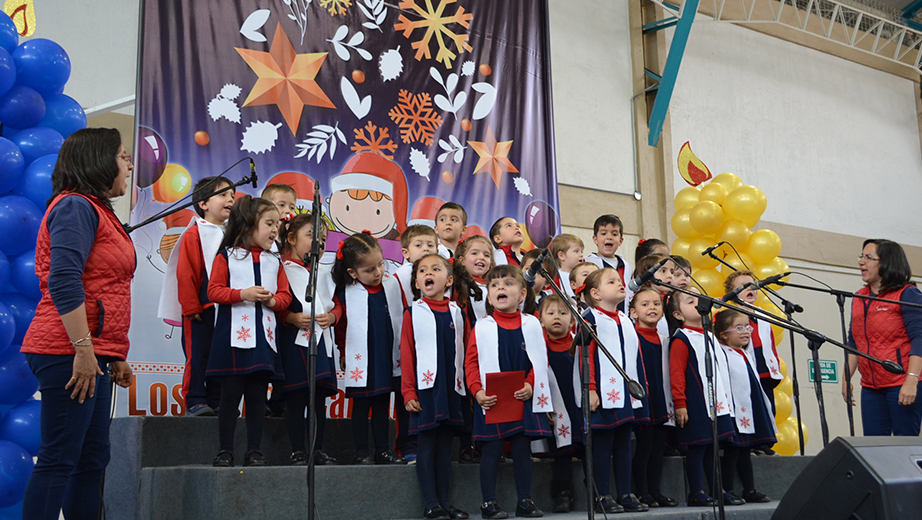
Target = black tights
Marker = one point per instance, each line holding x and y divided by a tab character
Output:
648	459
700	459
252	387
380	408
433	465
521	466
295	421
737	458
605	444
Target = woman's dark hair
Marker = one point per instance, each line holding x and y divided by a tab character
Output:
417	294
348	255
464	283
502	271
87	164
244	217
723	319
646	246
893	267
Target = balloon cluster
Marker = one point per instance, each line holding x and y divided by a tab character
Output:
724	210
35	117
168	182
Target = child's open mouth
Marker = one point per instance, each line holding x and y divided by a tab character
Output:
429	282
501	297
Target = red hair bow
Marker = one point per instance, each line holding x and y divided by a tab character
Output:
288	217
339	251
579	289
641	241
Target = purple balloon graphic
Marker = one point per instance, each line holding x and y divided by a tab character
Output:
541	222
150	157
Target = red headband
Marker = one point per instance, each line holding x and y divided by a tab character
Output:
641	241
339	251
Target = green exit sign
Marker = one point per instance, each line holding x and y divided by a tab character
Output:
829	370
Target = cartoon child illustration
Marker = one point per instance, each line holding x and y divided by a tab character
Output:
370	193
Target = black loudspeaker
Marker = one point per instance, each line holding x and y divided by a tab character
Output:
858	478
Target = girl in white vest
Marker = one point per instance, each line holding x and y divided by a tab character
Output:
248	285
295	339
432	349
691	396
508	341
755	422
614	410
368	336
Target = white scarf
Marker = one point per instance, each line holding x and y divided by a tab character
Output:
210	236
243	314
611	390
480	307
298	280
563	423
721	379
628	270
404	274
565	284
425	337
739	370
667	387
764	330
357	329
486	334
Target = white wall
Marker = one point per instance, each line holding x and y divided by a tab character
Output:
833	144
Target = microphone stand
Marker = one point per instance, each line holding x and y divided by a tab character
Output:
789	309
247	179
704	309
634	388
312	260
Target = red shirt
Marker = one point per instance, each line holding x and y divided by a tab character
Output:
508	321
219	292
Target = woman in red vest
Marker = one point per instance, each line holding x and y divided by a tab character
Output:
84	261
887	331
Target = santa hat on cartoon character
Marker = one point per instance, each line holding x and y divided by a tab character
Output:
303	186
425	211
371	172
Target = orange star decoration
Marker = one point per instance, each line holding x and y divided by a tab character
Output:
285	79
494	157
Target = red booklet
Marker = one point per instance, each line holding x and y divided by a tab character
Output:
504	385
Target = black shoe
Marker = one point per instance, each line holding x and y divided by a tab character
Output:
389	457
701	499
754	497
298	458
669	451
491	509
732	500
466	456
606	504
526	508
457	514
563	501
255	458
224	459
649	500
363	459
322	459
632	504
665	501
436	513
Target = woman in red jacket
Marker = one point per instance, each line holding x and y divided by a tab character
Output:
887	331
84	261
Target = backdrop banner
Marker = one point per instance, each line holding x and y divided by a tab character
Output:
393	107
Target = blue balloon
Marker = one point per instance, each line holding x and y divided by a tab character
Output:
23	310
36	181
41	64
14	512
22	426
12	165
17	384
22	107
9	34
4	270
23	275
7	328
6	353
20	219
9	131
7	71
37	142
15	468
63	114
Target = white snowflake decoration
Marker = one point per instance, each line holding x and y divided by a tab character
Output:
230	91
260	137
220	107
521	185
391	64
467	68
420	163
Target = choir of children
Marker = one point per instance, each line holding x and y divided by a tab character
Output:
461	326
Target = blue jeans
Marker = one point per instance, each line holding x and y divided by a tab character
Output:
881	413
75	443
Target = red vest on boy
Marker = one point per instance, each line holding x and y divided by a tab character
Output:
878	329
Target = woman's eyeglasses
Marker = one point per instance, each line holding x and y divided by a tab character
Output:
869	258
124	157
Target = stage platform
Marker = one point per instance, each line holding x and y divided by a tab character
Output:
161	469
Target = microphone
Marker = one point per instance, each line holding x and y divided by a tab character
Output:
634	285
734	294
253	173
711	249
768	281
533	269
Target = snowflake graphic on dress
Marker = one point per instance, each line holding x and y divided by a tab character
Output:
720	406
774	371
270	333
427	377
336	6
563	431
379	145
612	381
614	396
560	416
744	422
306	335
358	357
245	317
244	334
356	374
415	116
435	23
542	400
743	409
541	385
458	383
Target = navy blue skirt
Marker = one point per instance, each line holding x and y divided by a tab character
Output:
532	425
295	359
225	360
562	364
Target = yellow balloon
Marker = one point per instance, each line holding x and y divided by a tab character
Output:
730	181
695	248
686	197
792	421
776	266
173	184
681	225
745	203
711	281
740	262
783	367
779	334
714	192
763	246
787	444
783	406
734	232
751	222
680	247
706	217
761	299
786	386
